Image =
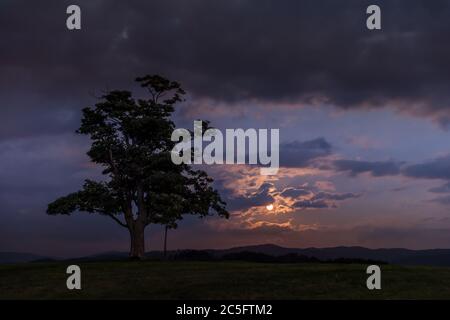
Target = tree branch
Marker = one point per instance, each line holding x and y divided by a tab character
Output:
113	165
117	220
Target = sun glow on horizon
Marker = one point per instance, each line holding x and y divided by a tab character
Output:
269	207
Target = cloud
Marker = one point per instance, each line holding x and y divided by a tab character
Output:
247	198
271	227
323	199
297	154
375	168
438	168
294	192
273	58
261	197
312	204
334	196
302	153
445	188
445	200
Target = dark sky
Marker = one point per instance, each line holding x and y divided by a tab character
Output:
363	116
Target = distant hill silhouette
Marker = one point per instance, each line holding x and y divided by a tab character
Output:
432	257
110	256
267	252
17	257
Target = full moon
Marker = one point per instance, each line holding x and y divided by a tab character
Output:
269	207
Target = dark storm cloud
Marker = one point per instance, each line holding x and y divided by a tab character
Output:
290	51
311	197
438	168
294	192
311	204
259	198
322	199
334	196
375	168
302	153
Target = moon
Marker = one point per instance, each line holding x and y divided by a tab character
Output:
269	207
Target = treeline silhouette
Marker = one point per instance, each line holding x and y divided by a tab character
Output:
248	256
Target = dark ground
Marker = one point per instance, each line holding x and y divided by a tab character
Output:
220	280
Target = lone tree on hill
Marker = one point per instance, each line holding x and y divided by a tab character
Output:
131	141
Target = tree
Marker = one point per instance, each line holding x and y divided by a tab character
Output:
142	186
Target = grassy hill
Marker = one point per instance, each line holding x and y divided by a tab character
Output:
220	280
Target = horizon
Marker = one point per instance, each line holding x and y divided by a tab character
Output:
150	250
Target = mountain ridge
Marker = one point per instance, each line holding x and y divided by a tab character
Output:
401	256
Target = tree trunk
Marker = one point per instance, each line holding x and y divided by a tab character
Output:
137	249
165	242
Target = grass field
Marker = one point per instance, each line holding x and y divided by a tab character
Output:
220	280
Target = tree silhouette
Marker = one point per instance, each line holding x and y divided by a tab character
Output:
131	141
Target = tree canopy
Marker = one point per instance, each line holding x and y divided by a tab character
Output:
131	140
